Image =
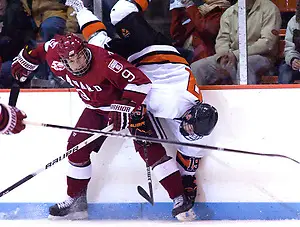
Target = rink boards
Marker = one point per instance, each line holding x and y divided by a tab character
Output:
231	186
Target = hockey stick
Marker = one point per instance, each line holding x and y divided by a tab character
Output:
56	160
142	192
156	140
13	95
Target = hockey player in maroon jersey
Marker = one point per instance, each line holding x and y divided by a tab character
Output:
111	88
11	120
175	102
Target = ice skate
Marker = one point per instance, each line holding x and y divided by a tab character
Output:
190	187
70	209
182	209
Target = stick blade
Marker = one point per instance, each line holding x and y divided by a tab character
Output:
145	195
13	95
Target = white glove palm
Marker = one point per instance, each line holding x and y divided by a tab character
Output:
77	5
187	3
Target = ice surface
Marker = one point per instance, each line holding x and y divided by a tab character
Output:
41	223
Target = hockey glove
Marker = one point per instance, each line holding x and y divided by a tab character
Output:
11	120
77	5
187	3
24	64
119	114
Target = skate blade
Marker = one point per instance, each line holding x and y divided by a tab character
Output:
83	215
186	216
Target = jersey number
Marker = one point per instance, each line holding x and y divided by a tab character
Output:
193	87
82	94
128	75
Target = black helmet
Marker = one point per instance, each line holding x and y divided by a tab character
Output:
203	117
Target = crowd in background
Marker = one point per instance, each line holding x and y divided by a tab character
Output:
205	32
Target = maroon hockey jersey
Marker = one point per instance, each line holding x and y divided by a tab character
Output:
109	78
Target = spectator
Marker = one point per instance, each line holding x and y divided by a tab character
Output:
264	21
195	27
51	17
16	31
289	69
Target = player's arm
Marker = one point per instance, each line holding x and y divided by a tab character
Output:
93	30
27	61
134	83
135	86
11	120
30	58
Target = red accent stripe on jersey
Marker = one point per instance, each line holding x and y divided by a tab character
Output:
91	27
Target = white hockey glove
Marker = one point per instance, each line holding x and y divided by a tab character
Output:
175	4
77	5
187	3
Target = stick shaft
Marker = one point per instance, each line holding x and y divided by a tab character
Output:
14	94
148	173
55	161
157	140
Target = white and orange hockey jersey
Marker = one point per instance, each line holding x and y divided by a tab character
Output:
174	88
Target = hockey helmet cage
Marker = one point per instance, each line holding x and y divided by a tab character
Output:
74	54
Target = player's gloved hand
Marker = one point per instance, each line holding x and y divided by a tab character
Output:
77	5
11	120
24	64
187	3
119	116
174	4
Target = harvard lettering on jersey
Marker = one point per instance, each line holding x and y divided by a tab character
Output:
109	78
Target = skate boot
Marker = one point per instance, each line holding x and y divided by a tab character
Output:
190	187
182	209
70	209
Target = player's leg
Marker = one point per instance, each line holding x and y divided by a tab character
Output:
196	124
163	166
187	158
79	169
